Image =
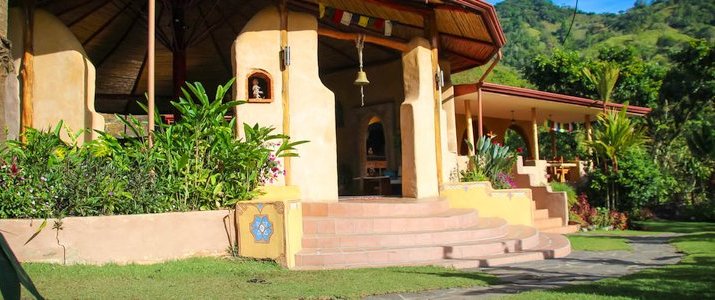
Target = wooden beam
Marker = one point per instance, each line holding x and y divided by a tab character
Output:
285	80
106	24
432	35
89	12
534	134
226	62
27	71
399	46
470	128
151	57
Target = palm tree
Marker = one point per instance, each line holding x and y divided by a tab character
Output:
614	136
604	76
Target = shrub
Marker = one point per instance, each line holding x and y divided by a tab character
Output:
195	164
584	211
564	187
583	214
490	161
638	183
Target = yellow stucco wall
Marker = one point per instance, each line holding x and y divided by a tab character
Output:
64	83
281	205
513	205
312	104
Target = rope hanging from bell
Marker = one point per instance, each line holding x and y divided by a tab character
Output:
361	79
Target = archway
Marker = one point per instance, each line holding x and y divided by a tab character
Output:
515	138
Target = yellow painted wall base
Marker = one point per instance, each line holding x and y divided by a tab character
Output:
271	226
513	205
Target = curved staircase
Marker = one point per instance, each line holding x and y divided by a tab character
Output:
360	232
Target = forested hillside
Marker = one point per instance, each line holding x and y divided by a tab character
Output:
652	31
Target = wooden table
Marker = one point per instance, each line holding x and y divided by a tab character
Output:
561	169
374	185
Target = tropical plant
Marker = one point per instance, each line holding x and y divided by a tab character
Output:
490	160
613	137
604	76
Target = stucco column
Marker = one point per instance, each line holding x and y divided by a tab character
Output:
312	109
480	112
417	121
470	128
587	125
534	134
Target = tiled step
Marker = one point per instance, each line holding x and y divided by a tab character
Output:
562	229
485	229
541	214
547	223
517	238
550	246
375	207
450	219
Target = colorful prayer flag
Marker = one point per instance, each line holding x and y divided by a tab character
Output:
338	16
347	17
363	21
388	28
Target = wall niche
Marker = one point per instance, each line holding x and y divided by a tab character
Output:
260	87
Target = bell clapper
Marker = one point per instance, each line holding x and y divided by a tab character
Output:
361	79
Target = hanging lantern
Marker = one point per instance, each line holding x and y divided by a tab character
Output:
361	79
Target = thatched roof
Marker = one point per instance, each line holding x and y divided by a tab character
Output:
113	33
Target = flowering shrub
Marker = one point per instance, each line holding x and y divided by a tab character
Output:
583	214
196	163
504	181
492	161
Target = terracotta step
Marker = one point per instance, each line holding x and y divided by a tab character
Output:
450	219
562	229
541	214
375	207
549	246
547	223
485	229
518	237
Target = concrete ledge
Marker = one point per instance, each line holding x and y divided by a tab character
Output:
122	239
512	205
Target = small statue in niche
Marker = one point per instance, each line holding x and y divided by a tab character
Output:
256	89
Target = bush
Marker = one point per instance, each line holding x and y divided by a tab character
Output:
490	161
195	164
583	214
639	182
564	187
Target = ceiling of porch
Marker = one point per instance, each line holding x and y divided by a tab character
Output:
506	102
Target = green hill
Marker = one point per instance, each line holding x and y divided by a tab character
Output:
535	27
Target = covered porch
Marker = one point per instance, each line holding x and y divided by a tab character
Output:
492	110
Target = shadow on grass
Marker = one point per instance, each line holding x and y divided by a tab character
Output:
682	281
486	278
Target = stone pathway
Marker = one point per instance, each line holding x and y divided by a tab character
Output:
579	267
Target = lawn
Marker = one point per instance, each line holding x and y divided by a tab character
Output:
605	240
692	278
237	279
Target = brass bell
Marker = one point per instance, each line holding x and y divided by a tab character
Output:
361	78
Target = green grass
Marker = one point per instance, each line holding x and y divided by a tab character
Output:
598	243
605	240
231	279
692	278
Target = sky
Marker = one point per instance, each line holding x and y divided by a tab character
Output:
596	6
